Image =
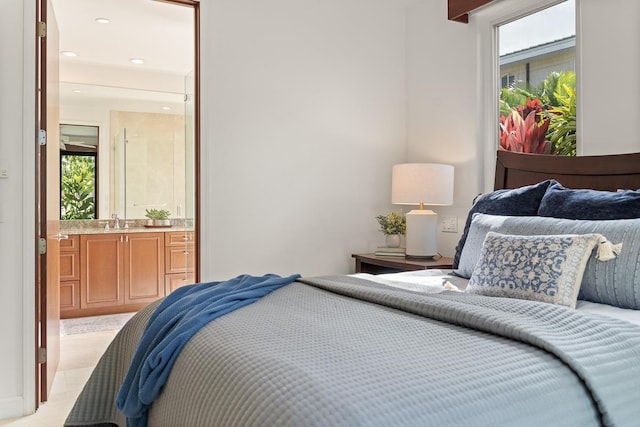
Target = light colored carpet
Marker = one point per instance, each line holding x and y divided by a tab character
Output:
82	325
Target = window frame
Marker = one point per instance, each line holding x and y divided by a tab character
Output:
487	20
86	152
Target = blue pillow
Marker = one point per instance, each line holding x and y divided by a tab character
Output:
561	202
616	282
523	201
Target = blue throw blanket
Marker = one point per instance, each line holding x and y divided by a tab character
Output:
173	323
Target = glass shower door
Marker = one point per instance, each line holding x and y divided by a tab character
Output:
190	178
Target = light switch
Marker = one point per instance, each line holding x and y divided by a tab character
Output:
449	224
4	174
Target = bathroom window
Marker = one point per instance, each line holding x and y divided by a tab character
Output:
78	172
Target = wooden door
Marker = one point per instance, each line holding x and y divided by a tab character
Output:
101	272
48	204
144	267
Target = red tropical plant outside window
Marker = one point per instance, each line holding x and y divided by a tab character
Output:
525	129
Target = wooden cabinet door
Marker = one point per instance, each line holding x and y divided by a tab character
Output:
179	259
144	267
69	296
70	259
69	275
175	281
101	272
179	238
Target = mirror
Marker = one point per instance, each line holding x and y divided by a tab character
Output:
125	69
141	156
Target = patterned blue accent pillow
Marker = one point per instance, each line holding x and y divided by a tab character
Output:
523	201
539	268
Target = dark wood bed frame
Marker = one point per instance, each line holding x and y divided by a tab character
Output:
610	172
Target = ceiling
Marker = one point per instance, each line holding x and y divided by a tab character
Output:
160	33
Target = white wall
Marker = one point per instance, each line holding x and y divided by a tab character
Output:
441	112
608	83
303	116
16	210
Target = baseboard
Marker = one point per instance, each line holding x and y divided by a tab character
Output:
11	407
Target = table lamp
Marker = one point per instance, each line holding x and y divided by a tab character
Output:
422	184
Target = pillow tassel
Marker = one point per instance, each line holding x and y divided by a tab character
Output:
607	250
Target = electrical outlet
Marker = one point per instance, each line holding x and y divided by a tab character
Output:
4	173
449	224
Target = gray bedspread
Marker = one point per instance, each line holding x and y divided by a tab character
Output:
343	351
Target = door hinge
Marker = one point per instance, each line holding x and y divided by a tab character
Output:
42	137
42	355
42	29
42	246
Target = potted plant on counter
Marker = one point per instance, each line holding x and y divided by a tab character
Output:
158	217
392	225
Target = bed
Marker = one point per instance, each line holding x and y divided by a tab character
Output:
431	348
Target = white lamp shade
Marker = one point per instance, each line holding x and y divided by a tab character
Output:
422	184
427	183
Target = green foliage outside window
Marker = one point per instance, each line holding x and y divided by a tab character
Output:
555	102
77	199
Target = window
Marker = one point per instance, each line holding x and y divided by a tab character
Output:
507	81
78	172
538	82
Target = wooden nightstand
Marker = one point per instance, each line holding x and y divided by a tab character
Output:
373	264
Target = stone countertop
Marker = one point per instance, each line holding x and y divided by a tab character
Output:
101	230
133	226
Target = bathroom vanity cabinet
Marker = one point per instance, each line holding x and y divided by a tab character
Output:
179	260
121	269
122	272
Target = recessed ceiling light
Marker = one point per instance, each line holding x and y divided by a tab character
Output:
69	53
103	20
137	61
76	91
165	108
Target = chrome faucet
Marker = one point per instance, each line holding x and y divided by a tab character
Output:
116	221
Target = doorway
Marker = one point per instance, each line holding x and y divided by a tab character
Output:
138	59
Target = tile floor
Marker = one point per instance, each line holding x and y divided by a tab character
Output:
78	355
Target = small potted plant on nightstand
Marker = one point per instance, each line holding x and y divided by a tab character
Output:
393	225
158	217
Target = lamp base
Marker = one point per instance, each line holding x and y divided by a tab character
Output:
422	234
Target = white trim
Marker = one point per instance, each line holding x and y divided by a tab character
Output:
579	85
28	209
11	407
487	20
207	269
